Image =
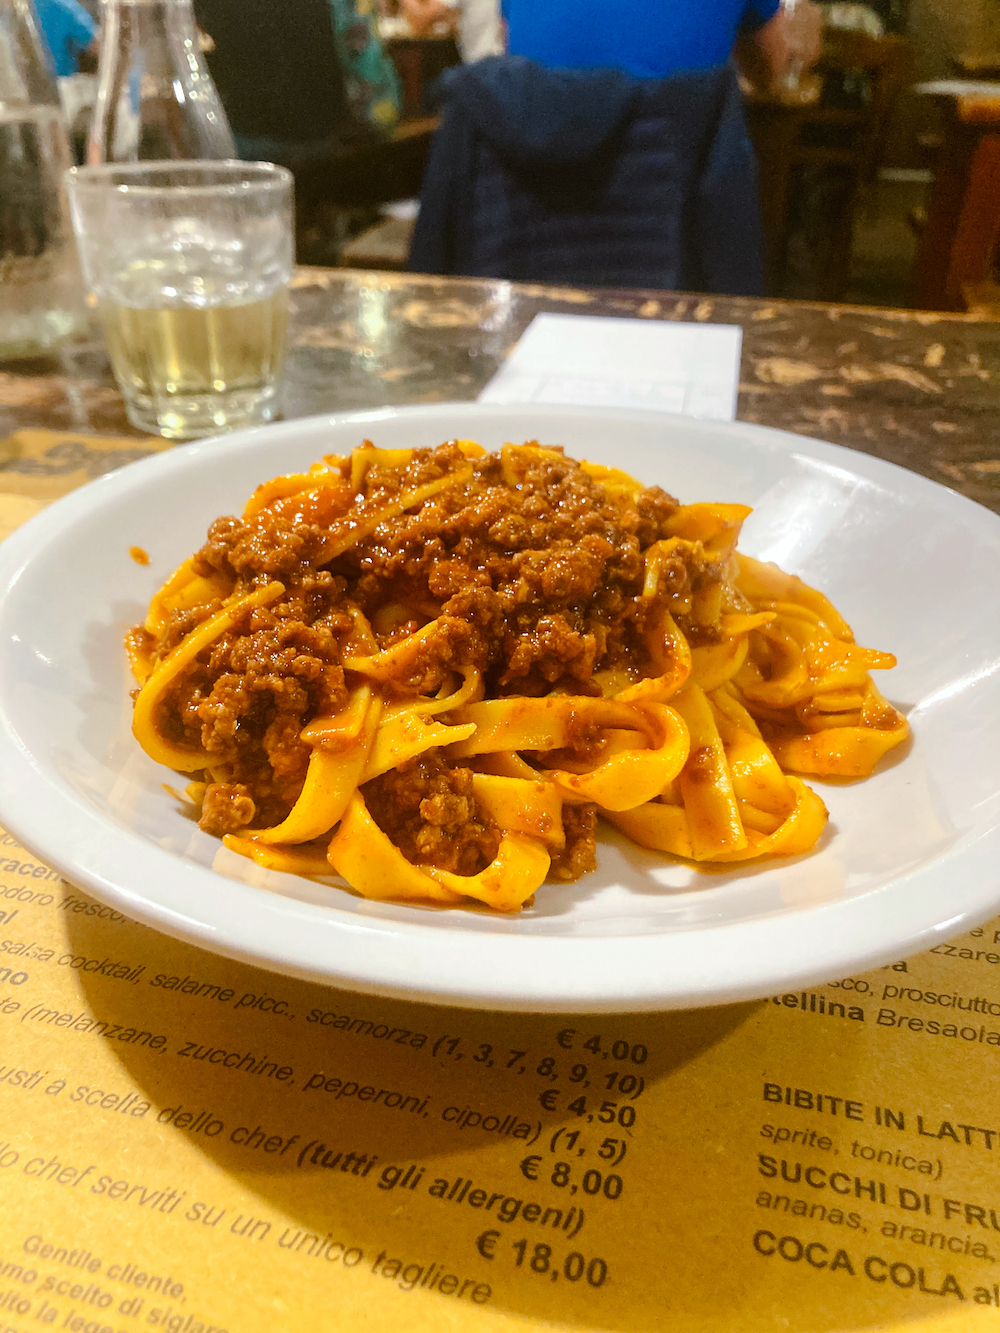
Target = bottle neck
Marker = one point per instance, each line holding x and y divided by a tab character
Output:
160	34
155	95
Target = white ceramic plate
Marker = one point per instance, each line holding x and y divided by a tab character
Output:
911	855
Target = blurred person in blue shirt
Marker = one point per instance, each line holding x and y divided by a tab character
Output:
654	40
69	31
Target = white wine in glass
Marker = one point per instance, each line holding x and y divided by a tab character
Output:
189	264
184	368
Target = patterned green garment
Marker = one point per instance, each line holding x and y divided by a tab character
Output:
370	76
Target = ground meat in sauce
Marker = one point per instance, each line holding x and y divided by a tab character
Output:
227	807
428	810
579	856
533	579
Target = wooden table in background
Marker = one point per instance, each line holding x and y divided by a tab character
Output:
918	389
960	241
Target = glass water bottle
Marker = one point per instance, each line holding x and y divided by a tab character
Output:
155	97
41	298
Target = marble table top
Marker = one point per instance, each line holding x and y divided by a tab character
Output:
916	388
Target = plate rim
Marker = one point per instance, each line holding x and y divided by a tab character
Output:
434	976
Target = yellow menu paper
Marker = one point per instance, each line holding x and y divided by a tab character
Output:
193	1145
190	1144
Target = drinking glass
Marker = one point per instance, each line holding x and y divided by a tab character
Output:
189	263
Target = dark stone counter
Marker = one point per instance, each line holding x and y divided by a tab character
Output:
915	388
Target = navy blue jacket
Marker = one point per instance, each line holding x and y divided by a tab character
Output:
592	177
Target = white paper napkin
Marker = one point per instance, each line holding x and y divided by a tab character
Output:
598	362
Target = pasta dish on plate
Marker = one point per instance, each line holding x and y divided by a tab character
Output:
430	671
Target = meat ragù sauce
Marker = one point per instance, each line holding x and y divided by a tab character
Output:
387	579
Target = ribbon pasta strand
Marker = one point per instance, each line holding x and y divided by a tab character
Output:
429	671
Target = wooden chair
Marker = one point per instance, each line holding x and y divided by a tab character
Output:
847	139
334	194
368	173
961	237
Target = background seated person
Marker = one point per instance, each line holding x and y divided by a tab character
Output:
654	41
479	30
69	32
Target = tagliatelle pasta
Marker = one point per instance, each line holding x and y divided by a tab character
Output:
430	671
